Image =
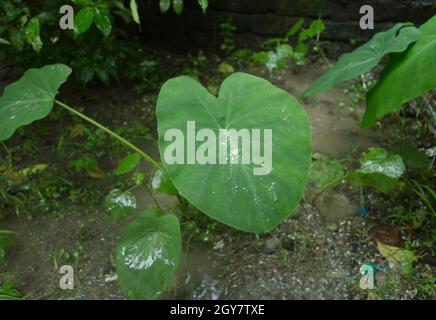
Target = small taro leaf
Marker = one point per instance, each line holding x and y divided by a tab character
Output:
232	193
164	5
30	98
325	170
128	164
120	203
315	28
103	21
134	11
379	170
378	160
366	57
412	157
408	76
203	4
148	254
161	182
83	20
178	6
284	51
32	34
295	28
401	257
276	59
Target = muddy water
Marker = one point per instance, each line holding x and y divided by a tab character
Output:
309	256
335	131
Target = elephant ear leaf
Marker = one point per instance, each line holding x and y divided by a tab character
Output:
408	76
366	57
148	254
230	191
30	98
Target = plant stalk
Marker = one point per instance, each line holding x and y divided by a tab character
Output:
108	131
328	186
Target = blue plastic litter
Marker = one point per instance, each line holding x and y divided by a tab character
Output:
363	210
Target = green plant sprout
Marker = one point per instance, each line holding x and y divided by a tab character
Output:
378	169
281	50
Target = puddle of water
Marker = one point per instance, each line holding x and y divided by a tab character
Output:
335	131
198	276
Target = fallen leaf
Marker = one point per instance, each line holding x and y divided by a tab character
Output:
401	257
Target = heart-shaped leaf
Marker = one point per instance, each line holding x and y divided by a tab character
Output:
237	192
366	57
407	76
378	169
120	203
30	98
148	254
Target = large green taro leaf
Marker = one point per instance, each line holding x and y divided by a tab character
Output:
30	98
232	193
148	254
366	57
407	76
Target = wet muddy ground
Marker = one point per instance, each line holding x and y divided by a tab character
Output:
315	254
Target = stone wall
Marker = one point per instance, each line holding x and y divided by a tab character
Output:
257	20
